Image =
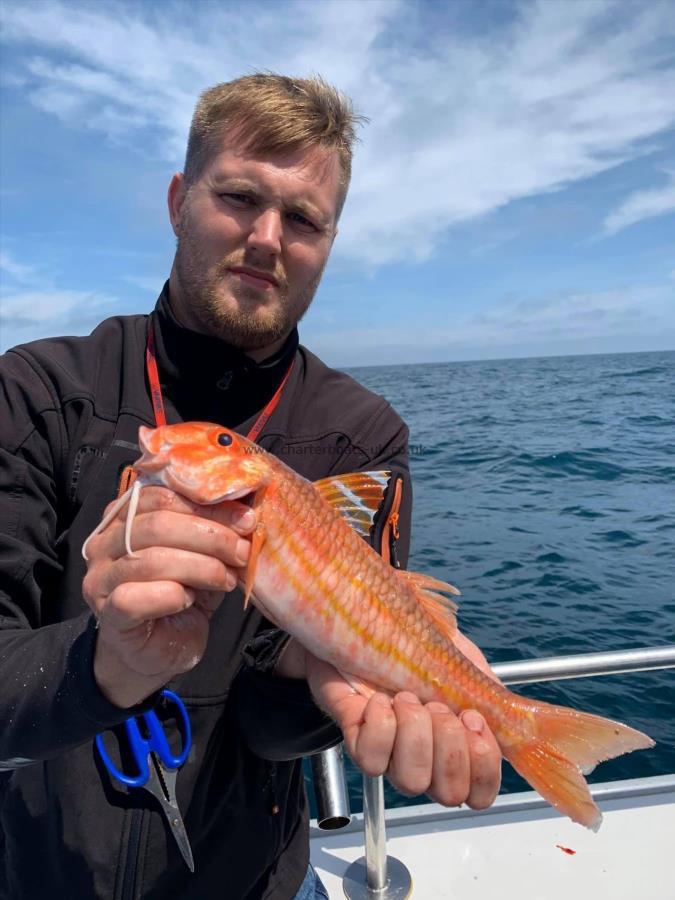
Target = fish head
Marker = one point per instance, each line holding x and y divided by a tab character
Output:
202	461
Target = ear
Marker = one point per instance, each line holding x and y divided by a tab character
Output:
175	197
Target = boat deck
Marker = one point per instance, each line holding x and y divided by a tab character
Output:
512	850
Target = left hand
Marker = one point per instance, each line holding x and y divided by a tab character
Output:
422	748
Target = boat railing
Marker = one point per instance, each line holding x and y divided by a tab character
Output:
377	876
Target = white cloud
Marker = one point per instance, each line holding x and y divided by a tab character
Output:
463	121
27	315
642	205
538	326
15	270
148	283
34	307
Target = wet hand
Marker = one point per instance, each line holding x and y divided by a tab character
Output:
422	748
154	607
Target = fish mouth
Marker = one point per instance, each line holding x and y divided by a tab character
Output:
193	489
234	495
154	454
151	463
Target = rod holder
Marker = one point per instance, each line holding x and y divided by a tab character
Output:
376	876
330	789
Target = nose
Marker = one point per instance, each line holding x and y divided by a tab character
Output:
265	234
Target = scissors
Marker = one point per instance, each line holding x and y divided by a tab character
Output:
157	766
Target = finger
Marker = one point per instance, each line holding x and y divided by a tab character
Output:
231	513
370	742
164	646
411	764
236	515
333	694
450	779
129	605
368	725
162	528
195	570
485	759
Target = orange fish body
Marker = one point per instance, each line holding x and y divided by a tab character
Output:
311	573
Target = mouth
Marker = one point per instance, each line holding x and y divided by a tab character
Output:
194	488
254	277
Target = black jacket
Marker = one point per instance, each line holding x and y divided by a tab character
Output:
70	409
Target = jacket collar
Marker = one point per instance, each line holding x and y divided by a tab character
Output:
205	378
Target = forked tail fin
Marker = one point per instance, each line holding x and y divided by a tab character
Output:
569	744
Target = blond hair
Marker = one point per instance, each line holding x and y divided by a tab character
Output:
274	114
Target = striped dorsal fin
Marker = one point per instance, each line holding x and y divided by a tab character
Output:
356	496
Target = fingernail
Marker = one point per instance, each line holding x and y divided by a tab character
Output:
382	700
408	697
230	581
242	551
246	519
472	720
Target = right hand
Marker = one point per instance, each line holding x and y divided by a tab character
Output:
421	747
154	608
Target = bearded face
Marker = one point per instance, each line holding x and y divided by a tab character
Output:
253	240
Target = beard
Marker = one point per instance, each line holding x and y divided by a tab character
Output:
222	306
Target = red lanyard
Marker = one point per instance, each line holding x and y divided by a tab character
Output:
158	401
153	378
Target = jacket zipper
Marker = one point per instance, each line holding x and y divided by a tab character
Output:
133	850
390	533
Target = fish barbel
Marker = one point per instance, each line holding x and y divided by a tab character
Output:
383	629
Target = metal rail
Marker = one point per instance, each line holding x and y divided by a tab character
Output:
380	877
585	665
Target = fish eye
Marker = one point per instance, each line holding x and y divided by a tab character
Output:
224	439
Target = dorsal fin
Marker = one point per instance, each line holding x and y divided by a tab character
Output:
441	610
356	496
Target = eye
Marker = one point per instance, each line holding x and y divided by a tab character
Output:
224	439
240	201
302	223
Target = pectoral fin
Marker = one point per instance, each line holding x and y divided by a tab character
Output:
258	539
257	542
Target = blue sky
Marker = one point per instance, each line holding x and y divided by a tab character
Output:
513	194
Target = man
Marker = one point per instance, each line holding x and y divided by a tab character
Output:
255	215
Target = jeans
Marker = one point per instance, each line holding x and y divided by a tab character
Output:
312	888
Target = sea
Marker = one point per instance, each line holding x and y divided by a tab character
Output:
545	490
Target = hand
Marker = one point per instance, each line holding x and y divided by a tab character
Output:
422	748
154	608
